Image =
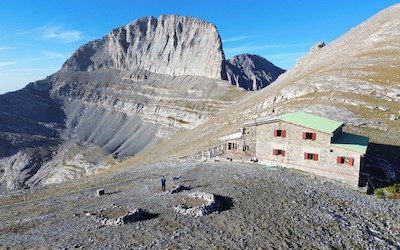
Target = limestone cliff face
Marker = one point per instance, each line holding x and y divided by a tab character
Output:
170	45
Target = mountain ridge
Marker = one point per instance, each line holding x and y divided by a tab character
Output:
116	96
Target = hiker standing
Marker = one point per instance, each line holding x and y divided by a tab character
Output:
163	180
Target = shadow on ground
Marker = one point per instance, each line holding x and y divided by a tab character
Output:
148	216
110	193
226	203
179	189
382	164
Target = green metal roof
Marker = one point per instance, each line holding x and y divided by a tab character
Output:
347	141
352	142
311	121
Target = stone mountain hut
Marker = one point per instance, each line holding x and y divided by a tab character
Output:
303	141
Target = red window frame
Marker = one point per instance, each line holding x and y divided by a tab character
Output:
280	133
345	160
309	136
278	152
311	156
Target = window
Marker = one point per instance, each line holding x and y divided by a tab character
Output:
246	131
246	148
310	156
280	133
345	160
278	152
309	136
232	146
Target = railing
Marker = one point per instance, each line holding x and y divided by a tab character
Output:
212	151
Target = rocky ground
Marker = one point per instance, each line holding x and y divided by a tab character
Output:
262	207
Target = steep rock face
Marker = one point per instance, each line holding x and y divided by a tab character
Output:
170	45
251	72
31	124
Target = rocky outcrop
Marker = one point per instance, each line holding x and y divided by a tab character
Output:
318	46
169	45
251	72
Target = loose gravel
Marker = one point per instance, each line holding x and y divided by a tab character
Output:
262	207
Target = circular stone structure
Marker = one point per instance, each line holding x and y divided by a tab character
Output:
117	215
198	204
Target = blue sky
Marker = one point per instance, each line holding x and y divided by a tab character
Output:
37	36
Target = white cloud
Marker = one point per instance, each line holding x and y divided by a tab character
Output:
33	70
5	48
234	39
3	64
55	55
256	47
18	33
60	34
46	56
48	32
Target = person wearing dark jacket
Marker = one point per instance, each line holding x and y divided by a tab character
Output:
163	180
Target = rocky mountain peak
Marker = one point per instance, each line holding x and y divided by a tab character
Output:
119	95
251	72
170	45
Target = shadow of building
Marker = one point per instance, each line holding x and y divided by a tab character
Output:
382	165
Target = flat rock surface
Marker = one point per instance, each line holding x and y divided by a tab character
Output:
261	208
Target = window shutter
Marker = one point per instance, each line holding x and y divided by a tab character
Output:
315	157
283	133
339	160
273	151
314	136
305	156
283	152
351	161
304	135
275	133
